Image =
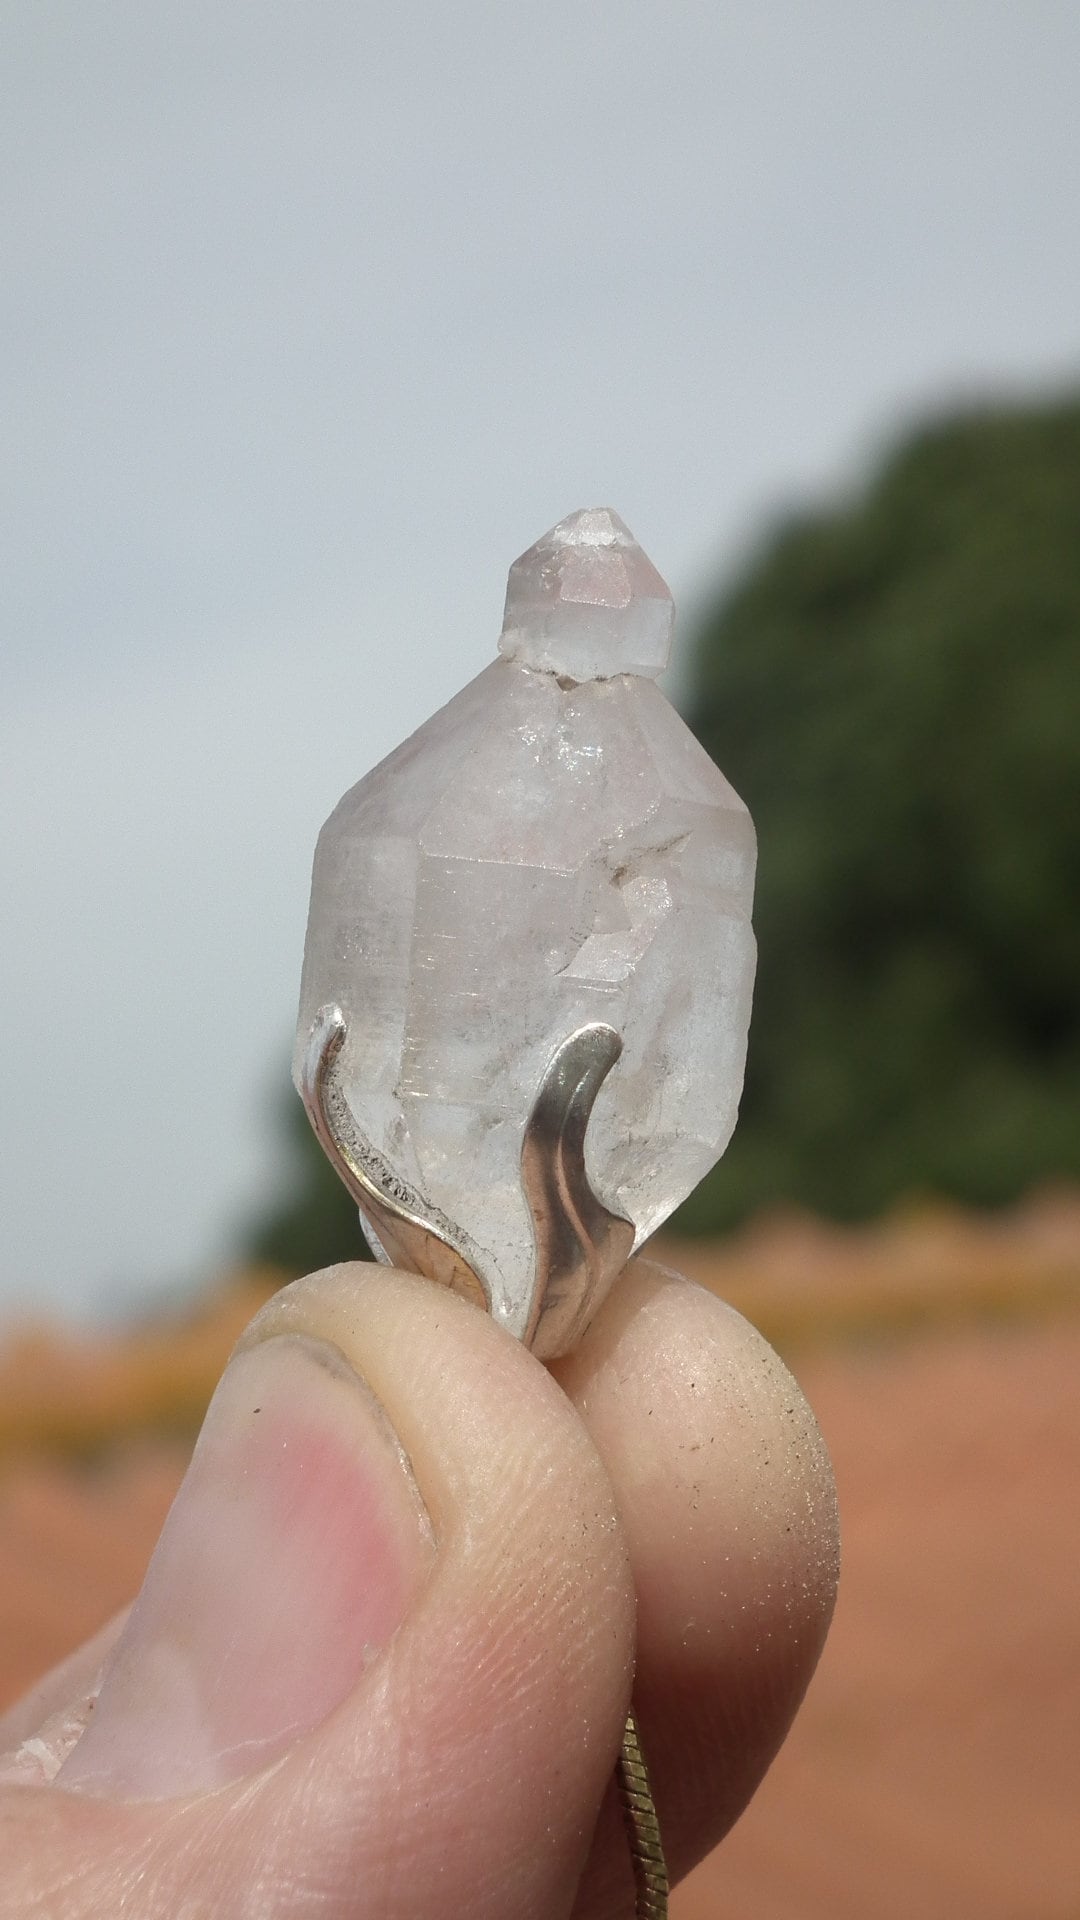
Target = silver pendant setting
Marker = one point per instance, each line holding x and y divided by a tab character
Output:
580	1245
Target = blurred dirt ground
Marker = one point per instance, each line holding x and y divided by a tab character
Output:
935	1767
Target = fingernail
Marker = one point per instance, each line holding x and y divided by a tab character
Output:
292	1553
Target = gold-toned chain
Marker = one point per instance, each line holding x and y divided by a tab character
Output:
642	1827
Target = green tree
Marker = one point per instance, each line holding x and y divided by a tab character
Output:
894	688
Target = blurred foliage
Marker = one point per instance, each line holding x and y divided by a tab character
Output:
894	688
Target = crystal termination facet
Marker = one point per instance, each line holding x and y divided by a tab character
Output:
586	603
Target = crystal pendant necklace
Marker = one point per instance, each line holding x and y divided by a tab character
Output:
527	978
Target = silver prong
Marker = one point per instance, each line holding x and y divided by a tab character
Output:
405	1230
581	1246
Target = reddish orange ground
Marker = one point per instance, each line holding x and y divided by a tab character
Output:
935	1768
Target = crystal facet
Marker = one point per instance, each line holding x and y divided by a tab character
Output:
586	603
553	848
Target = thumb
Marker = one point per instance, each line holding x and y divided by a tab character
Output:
381	1658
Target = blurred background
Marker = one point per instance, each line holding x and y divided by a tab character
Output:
313	320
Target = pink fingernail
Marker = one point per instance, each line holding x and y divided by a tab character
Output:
292	1553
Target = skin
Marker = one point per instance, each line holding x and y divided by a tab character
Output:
655	1511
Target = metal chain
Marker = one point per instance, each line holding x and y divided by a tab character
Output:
642	1828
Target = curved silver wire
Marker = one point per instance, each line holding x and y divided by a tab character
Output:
580	1245
404	1230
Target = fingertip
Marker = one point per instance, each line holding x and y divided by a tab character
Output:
727	1500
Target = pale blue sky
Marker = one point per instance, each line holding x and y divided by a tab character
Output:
314	316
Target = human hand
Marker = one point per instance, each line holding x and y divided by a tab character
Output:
383	1655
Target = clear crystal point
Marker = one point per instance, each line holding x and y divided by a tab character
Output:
552	848
585	602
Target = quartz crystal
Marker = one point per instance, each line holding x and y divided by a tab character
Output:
586	603
552	848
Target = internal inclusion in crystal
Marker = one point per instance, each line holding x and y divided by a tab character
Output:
552	848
